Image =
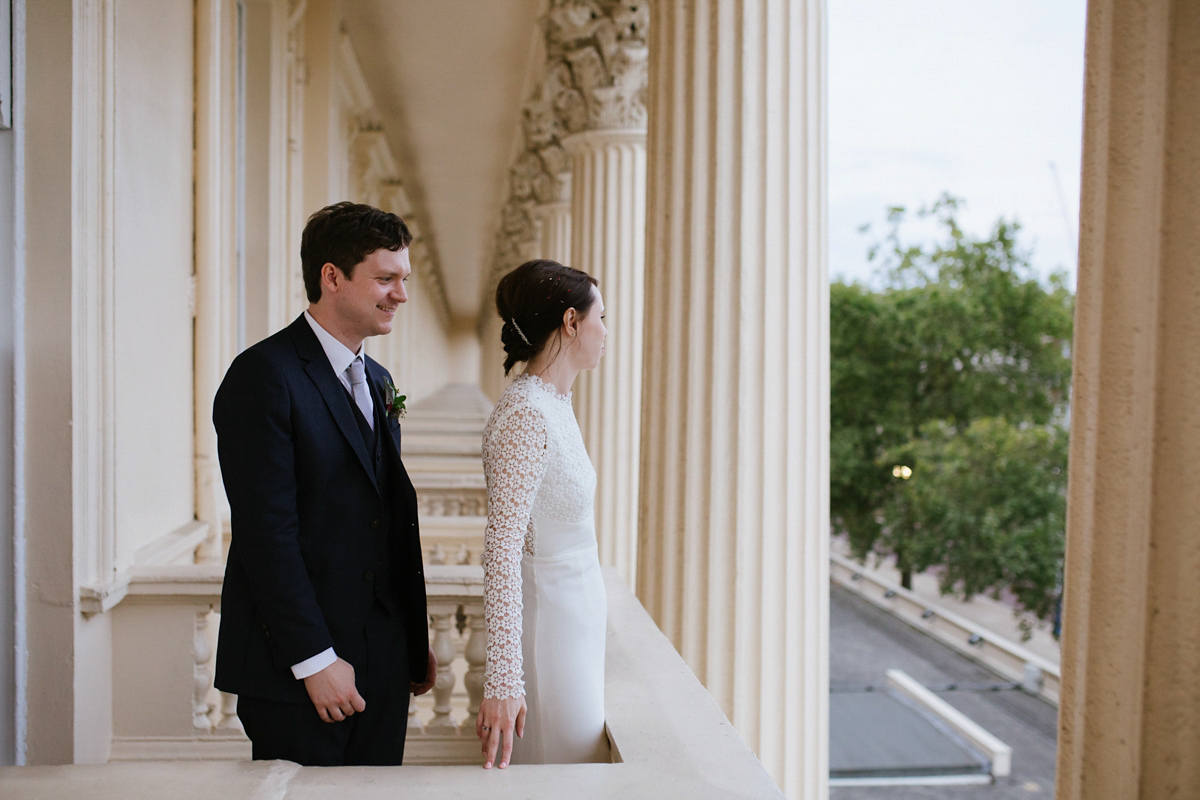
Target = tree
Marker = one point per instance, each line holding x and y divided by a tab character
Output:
962	331
987	504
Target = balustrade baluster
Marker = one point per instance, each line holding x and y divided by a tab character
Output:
229	718
201	675
414	724
476	655
443	616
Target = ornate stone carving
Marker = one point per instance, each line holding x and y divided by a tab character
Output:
603	44
595	78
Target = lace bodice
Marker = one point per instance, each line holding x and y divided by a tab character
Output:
535	463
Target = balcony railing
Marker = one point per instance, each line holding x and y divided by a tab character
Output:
668	737
1035	674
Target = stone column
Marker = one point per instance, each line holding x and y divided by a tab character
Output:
1129	721
608	208
597	67
734	554
552	221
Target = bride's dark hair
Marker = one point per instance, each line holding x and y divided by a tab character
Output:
532	300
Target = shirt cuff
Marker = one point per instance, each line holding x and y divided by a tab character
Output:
311	666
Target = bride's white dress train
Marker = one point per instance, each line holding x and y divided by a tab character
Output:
544	601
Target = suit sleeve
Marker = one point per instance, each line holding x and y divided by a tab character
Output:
252	414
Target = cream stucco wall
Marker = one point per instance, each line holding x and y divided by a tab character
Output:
153	256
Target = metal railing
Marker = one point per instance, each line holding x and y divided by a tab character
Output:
1035	674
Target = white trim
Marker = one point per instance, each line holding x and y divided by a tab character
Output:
98	597
999	754
92	285
916	780
285	284
213	249
20	634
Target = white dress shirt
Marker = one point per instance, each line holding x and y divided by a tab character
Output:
340	357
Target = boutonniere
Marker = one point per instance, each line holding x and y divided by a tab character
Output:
395	402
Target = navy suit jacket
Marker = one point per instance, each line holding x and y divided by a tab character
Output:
306	554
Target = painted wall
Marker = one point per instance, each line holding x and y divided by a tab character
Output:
153	267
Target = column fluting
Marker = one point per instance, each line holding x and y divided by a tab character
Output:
608	210
733	556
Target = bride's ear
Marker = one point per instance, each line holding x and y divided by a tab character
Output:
570	321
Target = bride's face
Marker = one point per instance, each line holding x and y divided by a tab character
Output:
588	343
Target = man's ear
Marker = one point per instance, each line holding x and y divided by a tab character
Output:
331	276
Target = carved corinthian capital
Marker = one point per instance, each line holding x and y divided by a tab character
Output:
595	79
602	45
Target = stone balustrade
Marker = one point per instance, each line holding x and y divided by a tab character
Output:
452	540
166	706
441	728
669	738
164	644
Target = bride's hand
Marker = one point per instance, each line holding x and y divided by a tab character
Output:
498	718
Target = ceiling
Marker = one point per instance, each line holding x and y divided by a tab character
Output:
449	78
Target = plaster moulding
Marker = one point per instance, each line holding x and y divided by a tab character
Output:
168	552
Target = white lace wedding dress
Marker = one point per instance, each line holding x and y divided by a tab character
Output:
544	601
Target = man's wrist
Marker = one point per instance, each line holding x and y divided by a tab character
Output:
311	666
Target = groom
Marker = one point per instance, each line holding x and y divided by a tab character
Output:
323	621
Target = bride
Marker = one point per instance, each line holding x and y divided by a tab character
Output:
544	602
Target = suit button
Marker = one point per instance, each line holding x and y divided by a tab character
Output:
374	524
368	576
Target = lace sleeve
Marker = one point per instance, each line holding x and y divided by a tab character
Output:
514	462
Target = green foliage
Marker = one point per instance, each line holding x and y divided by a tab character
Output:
987	505
962	331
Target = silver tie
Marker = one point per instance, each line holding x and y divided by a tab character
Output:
358	387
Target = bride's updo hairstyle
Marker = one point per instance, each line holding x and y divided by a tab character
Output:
532	300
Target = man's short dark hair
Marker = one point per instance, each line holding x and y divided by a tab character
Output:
343	234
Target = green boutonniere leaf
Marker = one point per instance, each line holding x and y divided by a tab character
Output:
395	403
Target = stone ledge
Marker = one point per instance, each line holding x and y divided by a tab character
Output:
282	780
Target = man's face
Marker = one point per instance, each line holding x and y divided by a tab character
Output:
366	303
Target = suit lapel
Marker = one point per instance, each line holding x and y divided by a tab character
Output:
336	400
375	381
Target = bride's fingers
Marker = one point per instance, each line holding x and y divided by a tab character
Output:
521	722
508	742
492	744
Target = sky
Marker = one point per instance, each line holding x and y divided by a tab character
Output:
979	98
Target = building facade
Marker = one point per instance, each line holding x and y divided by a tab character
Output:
158	163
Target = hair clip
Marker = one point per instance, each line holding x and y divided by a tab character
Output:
520	332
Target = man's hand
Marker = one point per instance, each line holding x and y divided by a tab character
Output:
333	693
430	676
